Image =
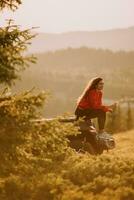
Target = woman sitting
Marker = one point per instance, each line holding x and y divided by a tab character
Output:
90	105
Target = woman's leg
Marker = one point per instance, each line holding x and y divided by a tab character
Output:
101	120
93	113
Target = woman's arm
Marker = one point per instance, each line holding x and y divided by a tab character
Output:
95	101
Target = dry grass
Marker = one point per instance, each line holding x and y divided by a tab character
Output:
124	144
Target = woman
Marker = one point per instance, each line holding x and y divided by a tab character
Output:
89	104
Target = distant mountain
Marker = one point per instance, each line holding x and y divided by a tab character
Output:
65	74
116	39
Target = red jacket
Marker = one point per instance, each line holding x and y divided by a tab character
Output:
93	100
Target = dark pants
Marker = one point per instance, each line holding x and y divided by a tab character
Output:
92	113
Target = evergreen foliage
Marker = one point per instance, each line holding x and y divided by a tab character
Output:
36	162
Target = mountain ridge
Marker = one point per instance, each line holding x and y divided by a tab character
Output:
113	39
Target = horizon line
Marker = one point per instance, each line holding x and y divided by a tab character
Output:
91	31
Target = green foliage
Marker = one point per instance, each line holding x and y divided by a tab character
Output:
105	175
36	162
75	177
12	4
15	114
13	43
29	149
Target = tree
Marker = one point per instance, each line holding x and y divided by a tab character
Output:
129	118
12	4
13	43
27	149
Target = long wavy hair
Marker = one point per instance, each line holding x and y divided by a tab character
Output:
91	85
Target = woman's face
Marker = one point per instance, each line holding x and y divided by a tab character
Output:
100	85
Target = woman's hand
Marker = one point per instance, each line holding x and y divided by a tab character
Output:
112	107
110	110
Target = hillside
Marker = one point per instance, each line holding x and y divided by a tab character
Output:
66	72
38	164
116	39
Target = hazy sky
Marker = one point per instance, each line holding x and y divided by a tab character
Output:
73	15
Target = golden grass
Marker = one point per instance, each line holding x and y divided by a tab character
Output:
124	144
